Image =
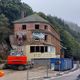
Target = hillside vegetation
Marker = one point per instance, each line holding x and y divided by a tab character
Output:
75	29
11	10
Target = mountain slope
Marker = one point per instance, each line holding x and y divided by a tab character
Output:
74	30
73	26
12	9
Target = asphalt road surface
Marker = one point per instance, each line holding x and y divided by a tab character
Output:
70	76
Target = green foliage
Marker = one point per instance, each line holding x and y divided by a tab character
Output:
70	43
12	9
4	30
42	15
75	34
0	59
3	21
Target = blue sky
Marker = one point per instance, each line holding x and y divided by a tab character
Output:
68	10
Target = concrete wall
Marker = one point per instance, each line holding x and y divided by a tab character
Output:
43	62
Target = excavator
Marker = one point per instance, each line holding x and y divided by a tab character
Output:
16	60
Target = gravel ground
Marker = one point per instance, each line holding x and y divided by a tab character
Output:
33	74
36	73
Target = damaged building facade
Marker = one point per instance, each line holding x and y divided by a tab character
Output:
37	38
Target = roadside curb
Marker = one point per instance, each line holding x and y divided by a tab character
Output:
66	72
56	76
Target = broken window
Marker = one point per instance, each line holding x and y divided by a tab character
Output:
45	27
37	26
24	37
42	49
45	37
32	49
24	27
37	49
17	36
46	49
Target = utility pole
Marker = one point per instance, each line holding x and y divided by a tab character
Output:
47	71
47	75
27	74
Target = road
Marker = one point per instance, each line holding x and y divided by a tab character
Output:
70	76
37	73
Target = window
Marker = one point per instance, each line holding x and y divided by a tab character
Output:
45	27
37	49
51	49
17	36
23	27
45	37
41	49
24	37
37	26
32	49
46	49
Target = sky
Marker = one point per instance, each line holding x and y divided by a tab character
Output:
68	10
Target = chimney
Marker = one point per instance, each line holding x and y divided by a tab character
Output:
22	14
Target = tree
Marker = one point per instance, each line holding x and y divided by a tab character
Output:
12	9
4	34
3	21
42	15
4	30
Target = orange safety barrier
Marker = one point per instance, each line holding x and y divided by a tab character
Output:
2	73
